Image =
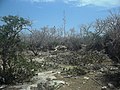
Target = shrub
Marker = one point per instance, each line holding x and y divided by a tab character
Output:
92	57
19	71
76	71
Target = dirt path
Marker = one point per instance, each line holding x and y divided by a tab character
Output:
77	83
85	82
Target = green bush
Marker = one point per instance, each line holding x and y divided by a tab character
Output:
20	70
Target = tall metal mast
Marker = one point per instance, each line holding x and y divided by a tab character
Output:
64	24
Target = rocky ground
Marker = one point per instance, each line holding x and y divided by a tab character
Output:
56	79
85	82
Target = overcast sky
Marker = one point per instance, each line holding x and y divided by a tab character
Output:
50	12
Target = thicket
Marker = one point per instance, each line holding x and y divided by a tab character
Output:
14	67
97	40
101	36
93	42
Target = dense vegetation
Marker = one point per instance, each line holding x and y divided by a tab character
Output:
94	44
14	67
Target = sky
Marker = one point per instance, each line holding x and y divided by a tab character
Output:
51	12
